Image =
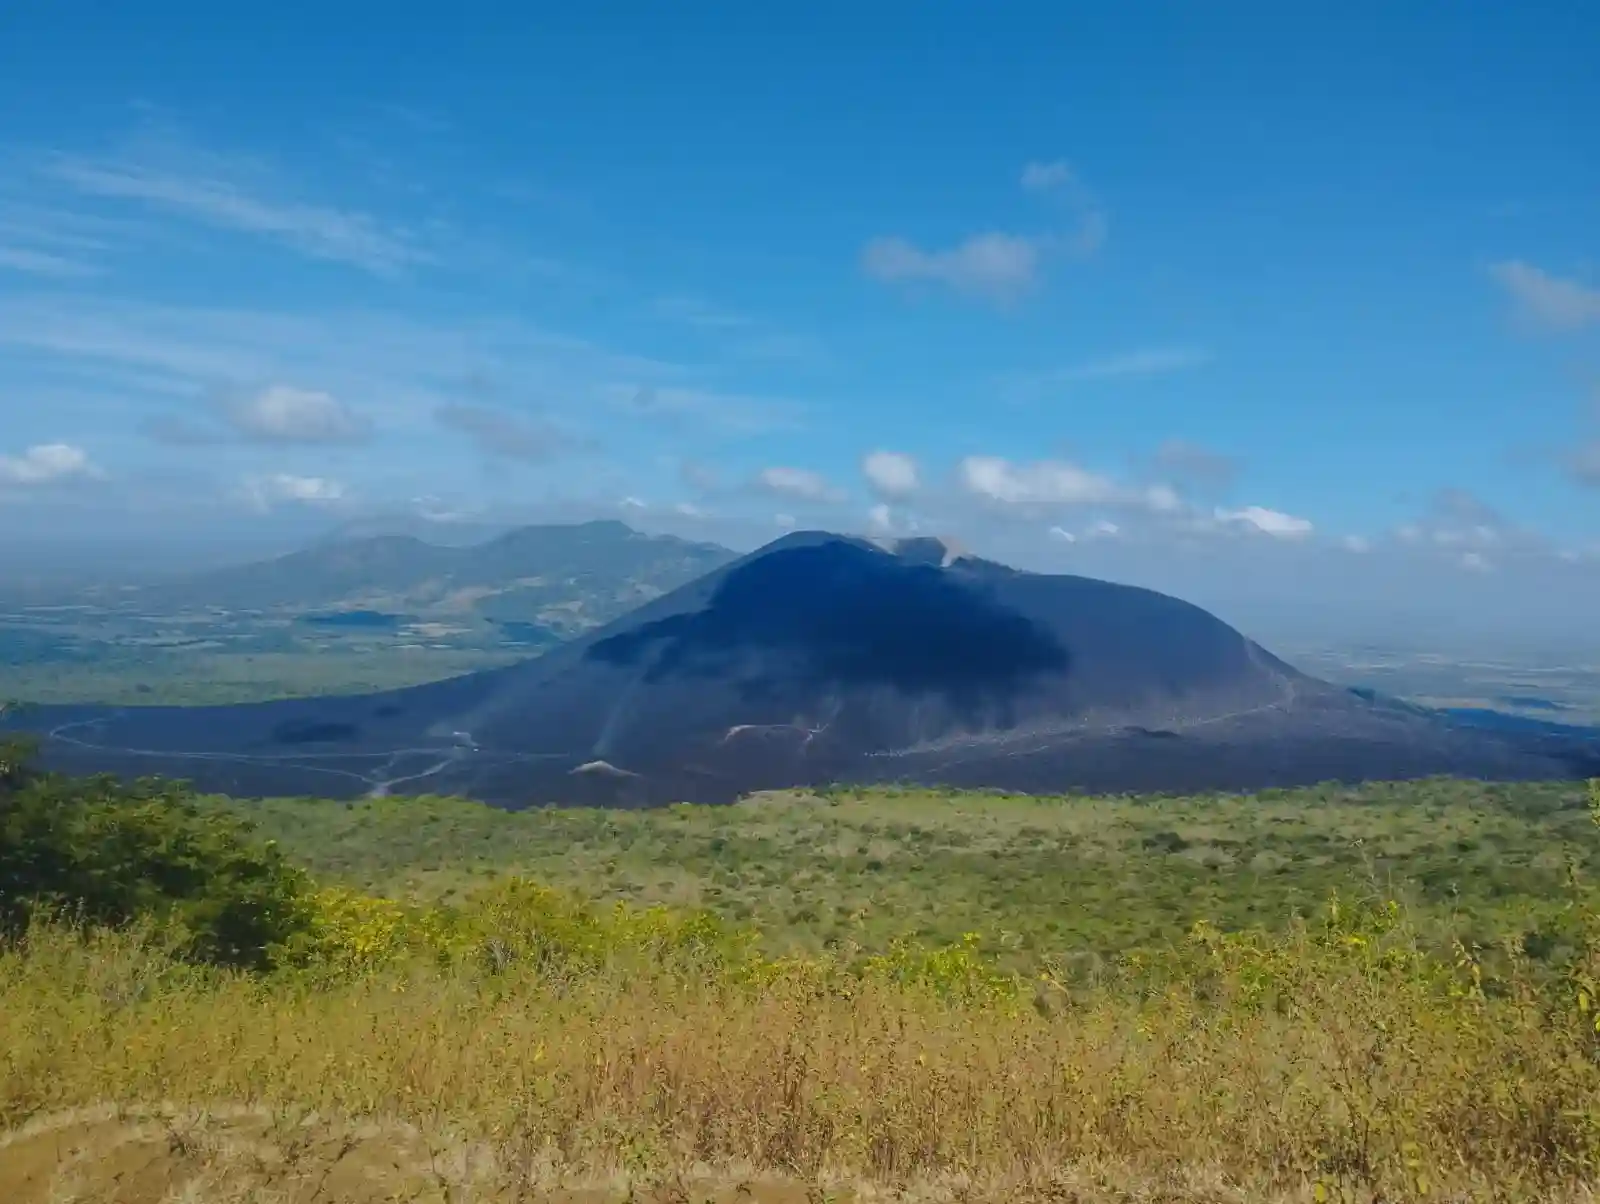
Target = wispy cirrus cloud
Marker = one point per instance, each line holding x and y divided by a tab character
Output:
1141	364
695	311
1149	361
1546	301
34	262
161	171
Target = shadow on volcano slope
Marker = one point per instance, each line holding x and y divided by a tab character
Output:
822	658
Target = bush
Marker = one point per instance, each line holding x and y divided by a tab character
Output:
107	854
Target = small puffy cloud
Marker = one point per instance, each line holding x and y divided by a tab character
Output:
1047	483
284	414
800	483
786	521
1047	177
278	488
1477	562
1063	535
891	475
1267	522
880	520
46	464
501	435
42	263
1057	181
995	266
1547	301
1355	543
1162	499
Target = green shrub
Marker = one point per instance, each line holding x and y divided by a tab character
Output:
104	853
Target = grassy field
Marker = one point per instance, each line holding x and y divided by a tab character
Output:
203	678
1061	1029
1070	878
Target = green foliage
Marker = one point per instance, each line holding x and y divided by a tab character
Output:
1073	879
110	854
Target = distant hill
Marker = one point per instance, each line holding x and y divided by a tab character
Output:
819	659
566	579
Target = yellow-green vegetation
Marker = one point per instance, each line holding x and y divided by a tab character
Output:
517	1042
1076	879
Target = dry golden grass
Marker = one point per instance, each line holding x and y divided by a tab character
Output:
527	1045
1332	1063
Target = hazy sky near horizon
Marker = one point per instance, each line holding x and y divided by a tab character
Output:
1301	302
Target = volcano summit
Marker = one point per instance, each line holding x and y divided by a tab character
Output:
822	658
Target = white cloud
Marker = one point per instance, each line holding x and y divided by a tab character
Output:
1046	177
799	483
1477	562
162	172
42	263
1148	361
268	491
1268	522
1548	301
880	520
1063	535
284	414
1355	543
45	464
785	521
1048	483
1163	499
996	266
1104	529
892	475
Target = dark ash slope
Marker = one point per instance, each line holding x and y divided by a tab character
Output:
820	659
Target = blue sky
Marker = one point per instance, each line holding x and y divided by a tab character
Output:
1277	300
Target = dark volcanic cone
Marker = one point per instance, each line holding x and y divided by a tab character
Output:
821	658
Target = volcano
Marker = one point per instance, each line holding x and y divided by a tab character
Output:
827	659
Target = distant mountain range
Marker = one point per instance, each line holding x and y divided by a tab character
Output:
818	659
567	579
